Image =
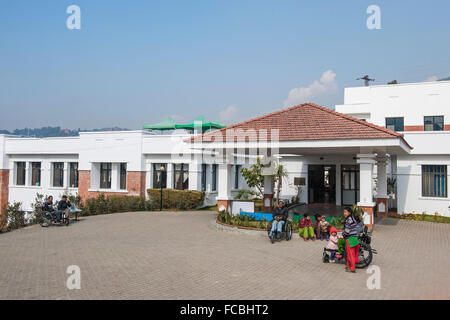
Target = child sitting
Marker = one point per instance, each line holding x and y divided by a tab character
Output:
324	228
305	228
333	244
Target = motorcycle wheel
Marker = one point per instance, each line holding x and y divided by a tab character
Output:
365	256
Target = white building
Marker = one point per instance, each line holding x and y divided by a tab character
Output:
421	112
331	158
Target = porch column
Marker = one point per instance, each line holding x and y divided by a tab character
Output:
366	162
382	197
268	193
224	188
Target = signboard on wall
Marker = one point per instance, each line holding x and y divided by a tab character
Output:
298	181
242	206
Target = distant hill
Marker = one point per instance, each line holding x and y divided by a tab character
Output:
445	79
53	132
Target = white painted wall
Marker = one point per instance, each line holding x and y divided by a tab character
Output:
412	101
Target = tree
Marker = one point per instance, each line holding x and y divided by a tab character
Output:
254	177
280	173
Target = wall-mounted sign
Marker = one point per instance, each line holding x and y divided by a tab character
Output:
300	181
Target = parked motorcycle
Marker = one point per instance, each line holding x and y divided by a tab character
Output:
365	254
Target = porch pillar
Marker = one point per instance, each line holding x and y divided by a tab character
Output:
268	193
224	188
382	197
366	163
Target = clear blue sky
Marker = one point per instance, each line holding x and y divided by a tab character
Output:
136	62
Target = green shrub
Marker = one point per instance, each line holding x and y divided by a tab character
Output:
14	216
177	199
113	203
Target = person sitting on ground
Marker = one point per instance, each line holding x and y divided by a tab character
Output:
324	225
305	228
333	244
48	206
316	225
279	215
350	234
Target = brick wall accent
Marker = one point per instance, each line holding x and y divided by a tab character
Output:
385	203
135	185
269	198
4	188
413	128
421	128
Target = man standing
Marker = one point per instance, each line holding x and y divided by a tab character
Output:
280	214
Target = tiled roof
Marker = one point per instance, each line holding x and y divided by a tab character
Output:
308	121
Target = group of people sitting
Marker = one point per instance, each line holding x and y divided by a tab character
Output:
63	204
321	229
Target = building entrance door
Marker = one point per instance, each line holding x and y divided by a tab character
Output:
350	184
322	184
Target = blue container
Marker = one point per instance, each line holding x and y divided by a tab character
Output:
259	216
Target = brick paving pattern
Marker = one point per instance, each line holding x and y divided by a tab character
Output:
148	255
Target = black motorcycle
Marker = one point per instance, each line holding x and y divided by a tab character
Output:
365	254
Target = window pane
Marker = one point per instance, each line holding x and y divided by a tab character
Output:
105	175
58	174
73	179
159	177
20	173
237	168
123	176
214	178
35	173
203	177
185	176
395	124
434	123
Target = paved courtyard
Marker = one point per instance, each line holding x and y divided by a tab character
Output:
148	255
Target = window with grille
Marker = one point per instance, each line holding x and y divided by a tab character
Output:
434	181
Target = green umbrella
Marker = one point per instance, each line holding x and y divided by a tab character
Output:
167	124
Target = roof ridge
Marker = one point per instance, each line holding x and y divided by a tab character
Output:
345	116
250	120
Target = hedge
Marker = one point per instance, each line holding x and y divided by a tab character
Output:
177	199
114	203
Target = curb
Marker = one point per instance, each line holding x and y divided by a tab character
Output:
244	230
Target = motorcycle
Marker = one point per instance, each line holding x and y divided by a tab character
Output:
365	254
